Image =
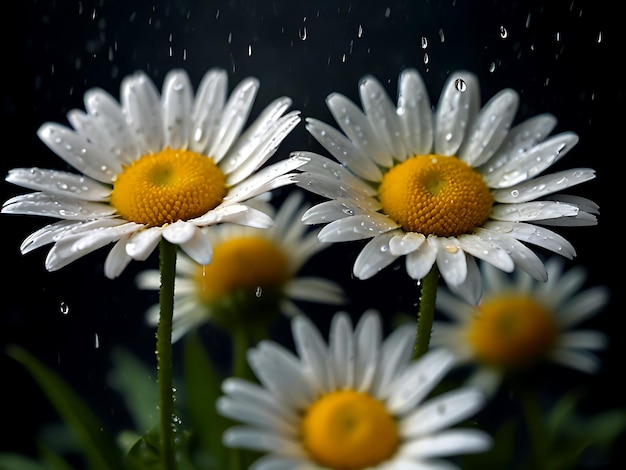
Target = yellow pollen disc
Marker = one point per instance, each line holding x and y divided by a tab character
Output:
167	186
247	263
434	194
512	331
348	430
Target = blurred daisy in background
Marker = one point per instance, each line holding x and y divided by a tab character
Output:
520	323
154	167
442	188
355	402
253	276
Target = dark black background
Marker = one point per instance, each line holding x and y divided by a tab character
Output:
563	57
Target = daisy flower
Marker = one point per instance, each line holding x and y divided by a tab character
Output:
520	323
252	277
357	402
154	167
442	188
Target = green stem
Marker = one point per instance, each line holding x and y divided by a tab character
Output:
535	427
426	312
241	343
167	266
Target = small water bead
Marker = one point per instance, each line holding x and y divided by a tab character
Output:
515	193
451	248
64	308
460	85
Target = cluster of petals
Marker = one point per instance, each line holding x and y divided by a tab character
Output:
356	359
110	135
510	159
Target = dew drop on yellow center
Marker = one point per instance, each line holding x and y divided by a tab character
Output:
168	186
349	430
511	331
434	194
248	263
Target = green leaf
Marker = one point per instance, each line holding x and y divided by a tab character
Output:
19	462
135	381
202	388
98	446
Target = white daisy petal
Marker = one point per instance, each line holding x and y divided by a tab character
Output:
342	149
79	152
367	335
329	211
418	380
268	178
455	110
60	183
234	116
374	256
312	348
143	243
357	227
382	115
450	442
276	368
319	165
533	210
117	259
543	185
315	290
520	139
486	250
113	134
523	256
530	163
279	463
255	439
414	112
420	262
406	243
141	103
534	234
266	145
356	126
179	232
451	260
443	411
490	129
210	99
48	234
396	352
51	205
177	102
341	352
198	247
471	288
584	305
592	340
579	360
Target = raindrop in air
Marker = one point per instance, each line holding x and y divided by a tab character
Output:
64	308
504	33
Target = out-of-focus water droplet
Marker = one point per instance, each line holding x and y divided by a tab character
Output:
426	58
302	33
599	37
359	32
442	38
387	12
64	308
460	85
492	67
249	50
504	33
96	341
424	42
258	292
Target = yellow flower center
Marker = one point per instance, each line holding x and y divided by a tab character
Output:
348	430
167	186
511	331
248	263
434	194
